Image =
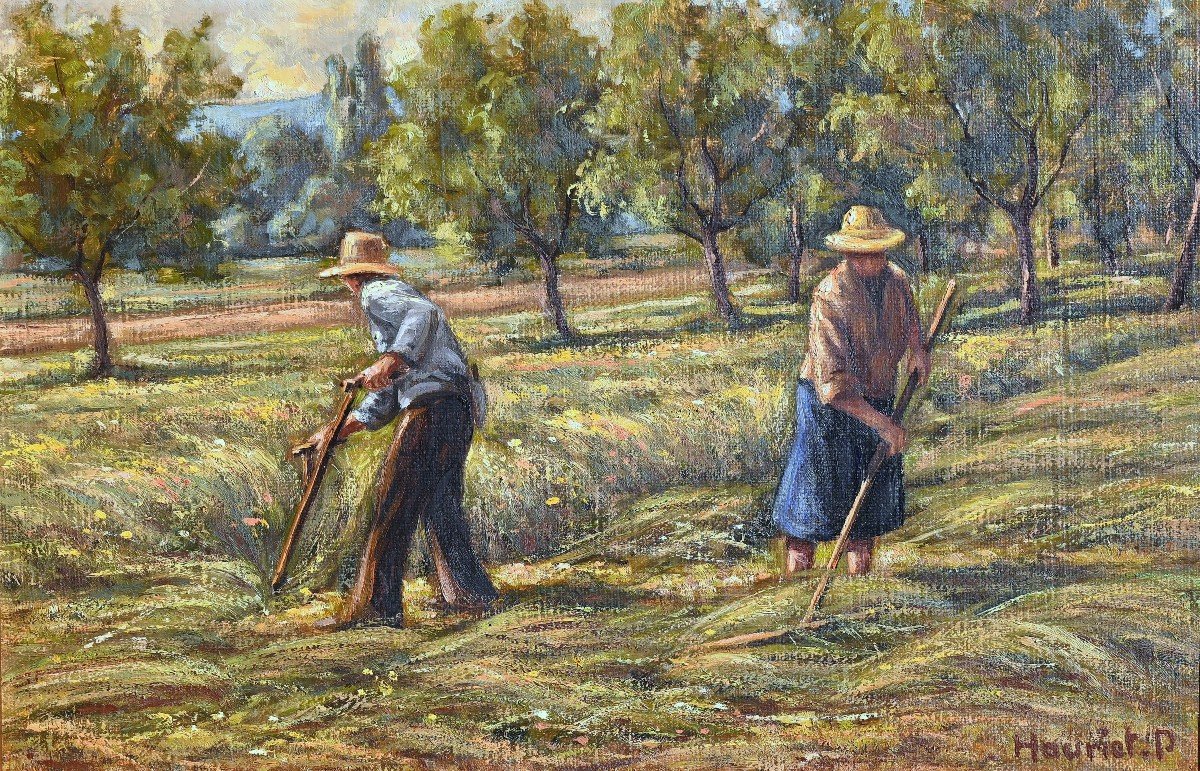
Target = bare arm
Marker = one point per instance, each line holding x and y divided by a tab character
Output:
889	430
378	375
324	435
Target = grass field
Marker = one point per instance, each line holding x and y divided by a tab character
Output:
1045	582
293	279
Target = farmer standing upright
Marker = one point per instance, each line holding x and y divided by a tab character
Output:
421	373
863	322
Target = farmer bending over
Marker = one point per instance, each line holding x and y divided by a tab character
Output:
864	321
422	374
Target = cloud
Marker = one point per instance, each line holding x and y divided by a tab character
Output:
279	46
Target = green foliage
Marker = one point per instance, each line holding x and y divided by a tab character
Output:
282	158
1000	90
92	147
697	119
695	109
93	163
499	119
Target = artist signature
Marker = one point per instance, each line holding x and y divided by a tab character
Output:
1100	744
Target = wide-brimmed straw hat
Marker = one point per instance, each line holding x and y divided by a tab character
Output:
864	231
363	254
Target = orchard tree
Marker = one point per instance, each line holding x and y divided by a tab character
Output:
499	122
818	70
697	116
1177	75
809	195
1012	84
95	159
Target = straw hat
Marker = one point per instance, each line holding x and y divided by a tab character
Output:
362	254
864	231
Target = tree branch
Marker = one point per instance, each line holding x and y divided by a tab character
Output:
1168	96
714	173
684	230
1061	161
980	185
565	221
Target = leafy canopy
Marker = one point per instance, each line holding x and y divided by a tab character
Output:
696	109
95	152
499	122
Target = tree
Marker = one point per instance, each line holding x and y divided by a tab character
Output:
358	113
282	158
500	120
1012	83
697	112
818	69
93	159
356	97
1177	74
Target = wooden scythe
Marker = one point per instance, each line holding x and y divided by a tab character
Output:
316	461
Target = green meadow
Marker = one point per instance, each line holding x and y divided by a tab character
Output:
1045	581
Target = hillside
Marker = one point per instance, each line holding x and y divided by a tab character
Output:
236	119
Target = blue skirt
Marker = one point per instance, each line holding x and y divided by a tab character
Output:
825	469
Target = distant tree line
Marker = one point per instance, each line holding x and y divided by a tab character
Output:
735	125
731	123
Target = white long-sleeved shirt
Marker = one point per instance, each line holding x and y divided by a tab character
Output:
405	322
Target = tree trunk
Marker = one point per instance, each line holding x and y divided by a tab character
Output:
552	302
798	253
1108	251
923	252
1053	249
1130	226
1181	282
720	282
102	365
1031	301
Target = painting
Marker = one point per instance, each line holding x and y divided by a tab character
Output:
550	384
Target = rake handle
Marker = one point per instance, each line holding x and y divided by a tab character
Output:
877	460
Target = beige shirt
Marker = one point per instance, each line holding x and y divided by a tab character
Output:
850	349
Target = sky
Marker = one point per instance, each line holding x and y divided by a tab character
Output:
279	46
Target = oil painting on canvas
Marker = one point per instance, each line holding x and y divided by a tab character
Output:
550	384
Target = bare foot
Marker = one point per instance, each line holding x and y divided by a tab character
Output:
800	555
858	556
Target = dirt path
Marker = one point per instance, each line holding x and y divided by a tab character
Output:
40	336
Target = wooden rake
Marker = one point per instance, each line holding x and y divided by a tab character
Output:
839	547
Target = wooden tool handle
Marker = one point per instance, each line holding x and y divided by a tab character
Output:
315	468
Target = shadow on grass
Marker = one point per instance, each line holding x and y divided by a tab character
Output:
1056	307
703	325
135	374
989	588
576	595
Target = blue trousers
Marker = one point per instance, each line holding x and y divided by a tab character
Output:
825	469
